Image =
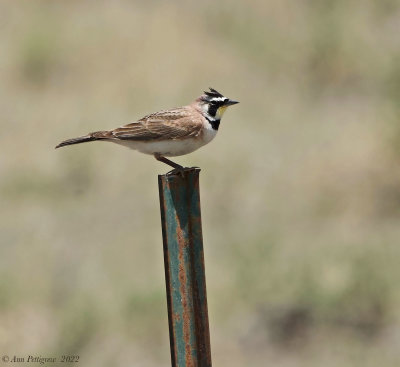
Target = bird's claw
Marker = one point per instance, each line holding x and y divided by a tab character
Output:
180	171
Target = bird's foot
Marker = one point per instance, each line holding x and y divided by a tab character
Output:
180	171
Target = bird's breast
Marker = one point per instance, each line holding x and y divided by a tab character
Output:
169	148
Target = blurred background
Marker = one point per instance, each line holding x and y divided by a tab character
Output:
300	189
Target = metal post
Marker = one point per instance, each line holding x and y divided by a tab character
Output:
184	269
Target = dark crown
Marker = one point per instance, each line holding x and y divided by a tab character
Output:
209	96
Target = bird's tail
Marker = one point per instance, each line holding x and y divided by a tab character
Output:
98	135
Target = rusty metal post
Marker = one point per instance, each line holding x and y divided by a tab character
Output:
184	269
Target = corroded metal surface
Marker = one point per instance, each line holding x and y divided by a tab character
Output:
184	269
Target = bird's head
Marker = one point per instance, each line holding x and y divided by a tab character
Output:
214	104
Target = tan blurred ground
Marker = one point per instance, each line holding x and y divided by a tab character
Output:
300	190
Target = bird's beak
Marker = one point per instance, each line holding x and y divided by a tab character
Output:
230	102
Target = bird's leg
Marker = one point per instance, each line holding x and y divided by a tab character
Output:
178	169
167	161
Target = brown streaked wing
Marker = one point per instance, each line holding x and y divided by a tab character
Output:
170	124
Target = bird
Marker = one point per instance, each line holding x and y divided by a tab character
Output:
168	133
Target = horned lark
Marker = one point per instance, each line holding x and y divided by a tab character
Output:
168	133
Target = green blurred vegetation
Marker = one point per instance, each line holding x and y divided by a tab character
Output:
300	190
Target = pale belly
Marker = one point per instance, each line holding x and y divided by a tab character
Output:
170	148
